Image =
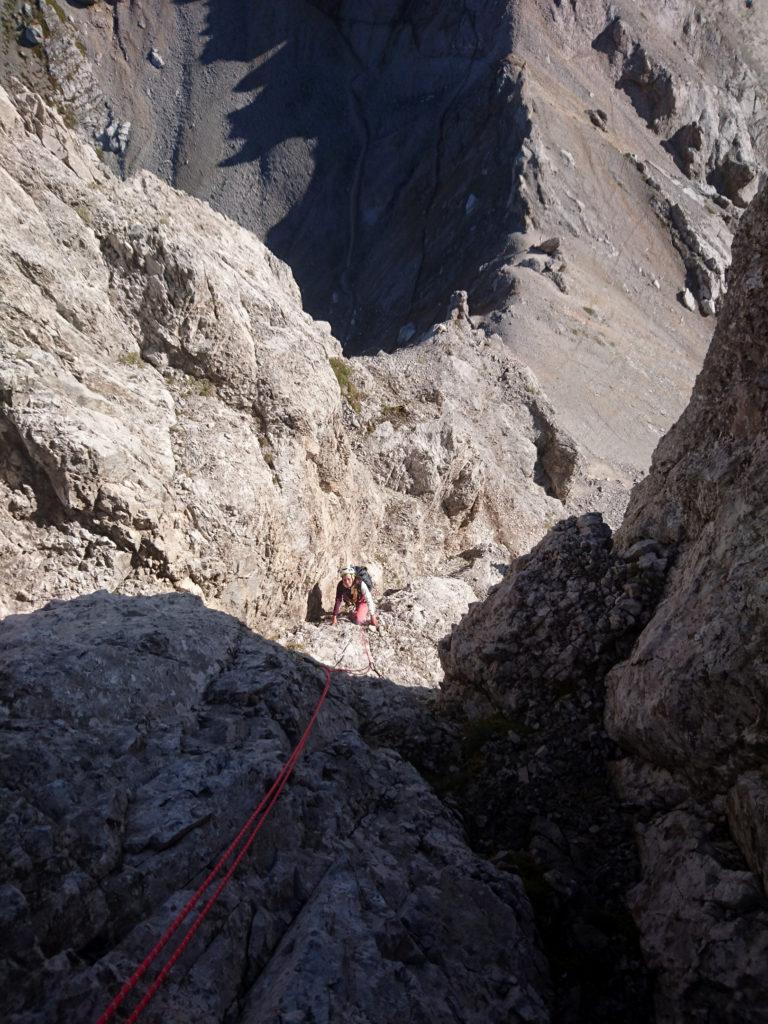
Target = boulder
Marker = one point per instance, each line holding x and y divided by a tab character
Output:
564	613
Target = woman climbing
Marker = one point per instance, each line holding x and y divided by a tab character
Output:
356	596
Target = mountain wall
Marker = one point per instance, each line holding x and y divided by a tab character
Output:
691	699
394	155
360	895
663	627
171	419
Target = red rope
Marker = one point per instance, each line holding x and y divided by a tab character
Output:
367	649
263	809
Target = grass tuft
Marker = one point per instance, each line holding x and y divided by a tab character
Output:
349	391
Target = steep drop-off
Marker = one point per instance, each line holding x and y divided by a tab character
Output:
393	154
170	418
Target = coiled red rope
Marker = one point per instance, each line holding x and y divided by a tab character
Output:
246	835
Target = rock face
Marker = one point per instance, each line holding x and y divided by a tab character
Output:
692	697
130	357
411	621
699	706
709	130
171	419
174	426
417	153
360	895
535	782
680	590
563	616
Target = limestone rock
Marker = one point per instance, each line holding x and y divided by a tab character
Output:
363	183
691	699
708	129
703	921
705	494
172	719
562	614
412	620
171	419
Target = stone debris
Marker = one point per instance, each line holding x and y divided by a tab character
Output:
549	246
116	136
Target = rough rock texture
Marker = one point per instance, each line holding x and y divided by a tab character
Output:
394	155
534	778
563	616
703	920
360	896
411	622
170	418
708	119
484	188
689	703
692	697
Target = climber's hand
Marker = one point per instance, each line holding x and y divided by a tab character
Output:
333	621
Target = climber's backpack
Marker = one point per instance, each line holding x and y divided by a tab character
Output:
361	572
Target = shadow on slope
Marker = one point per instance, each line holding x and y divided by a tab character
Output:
383	148
139	732
137	735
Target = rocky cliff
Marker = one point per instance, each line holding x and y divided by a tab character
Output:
664	626
171	419
361	896
530	207
392	156
691	700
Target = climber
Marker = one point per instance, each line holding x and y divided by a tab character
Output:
356	596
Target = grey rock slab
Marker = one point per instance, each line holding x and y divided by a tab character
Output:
546	621
703	922
359	894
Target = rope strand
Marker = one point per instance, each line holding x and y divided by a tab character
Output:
251	828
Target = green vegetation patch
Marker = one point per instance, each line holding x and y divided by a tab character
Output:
130	358
84	214
349	390
396	414
201	386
